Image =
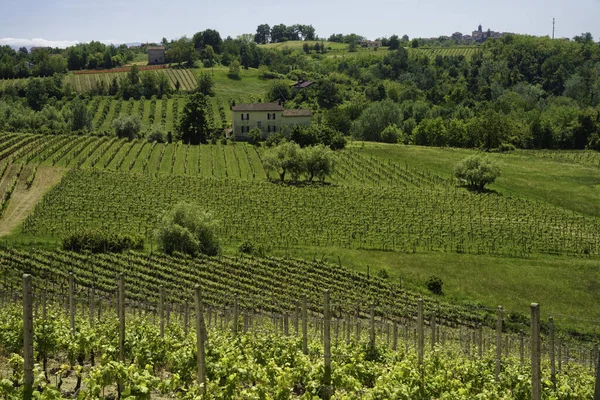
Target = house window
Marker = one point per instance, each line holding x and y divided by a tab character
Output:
273	116
259	123
248	117
268	115
269	128
242	117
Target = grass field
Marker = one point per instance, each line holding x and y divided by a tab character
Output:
556	178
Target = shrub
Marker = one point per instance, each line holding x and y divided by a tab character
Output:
476	171
97	241
247	247
254	137
127	127
506	148
156	135
234	71
383	274
187	229
434	284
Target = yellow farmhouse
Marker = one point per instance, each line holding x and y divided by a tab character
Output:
269	118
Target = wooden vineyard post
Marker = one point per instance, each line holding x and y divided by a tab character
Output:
27	337
499	342
372	327
522	348
348	327
597	391
296	317
480	340
536	377
304	326
432	327
395	340
559	345
421	337
235	315
72	301
186	317
92	305
200	339
121	318
44	304
552	355
327	343
161	311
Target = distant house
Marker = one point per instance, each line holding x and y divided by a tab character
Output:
370	44
269	118
156	55
302	84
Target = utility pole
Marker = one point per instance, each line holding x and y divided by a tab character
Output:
553	25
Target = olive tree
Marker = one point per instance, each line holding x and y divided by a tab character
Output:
476	171
318	162
188	229
284	158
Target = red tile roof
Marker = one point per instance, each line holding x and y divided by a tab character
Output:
301	112
258	107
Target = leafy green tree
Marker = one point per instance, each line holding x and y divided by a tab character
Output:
279	91
254	136
263	34
188	229
208	54
36	93
476	171
234	70
127	126
318	162
284	158
378	116
205	84
394	42
352	47
182	51
194	126
81	117
392	134
149	81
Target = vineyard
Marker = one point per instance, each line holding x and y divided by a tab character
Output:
110	341
85	82
467	52
589	158
407	219
389	206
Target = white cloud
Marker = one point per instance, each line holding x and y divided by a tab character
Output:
39	42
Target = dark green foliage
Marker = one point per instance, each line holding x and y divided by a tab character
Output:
254	137
97	241
476	171
187	229
194	126
206	84
156	134
434	285
375	119
127	126
234	70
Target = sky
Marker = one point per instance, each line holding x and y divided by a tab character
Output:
60	23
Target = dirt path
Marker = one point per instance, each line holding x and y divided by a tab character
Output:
23	201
